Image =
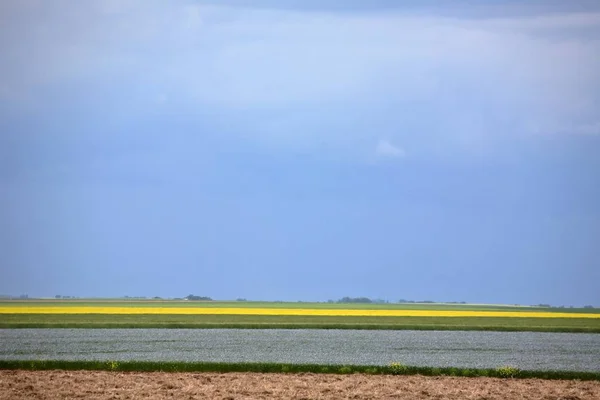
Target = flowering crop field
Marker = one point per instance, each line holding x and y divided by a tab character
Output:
133	309
192	314
524	350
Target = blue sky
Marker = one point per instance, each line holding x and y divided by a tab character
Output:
301	150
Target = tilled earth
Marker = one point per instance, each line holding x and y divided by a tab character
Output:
157	385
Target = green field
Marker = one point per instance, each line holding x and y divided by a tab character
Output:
297	322
393	369
166	320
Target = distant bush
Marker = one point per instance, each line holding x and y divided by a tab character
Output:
398	369
192	297
355	300
507	372
112	365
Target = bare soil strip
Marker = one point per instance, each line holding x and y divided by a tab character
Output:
18	384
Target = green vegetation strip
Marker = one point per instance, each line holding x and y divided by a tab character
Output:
393	369
574	325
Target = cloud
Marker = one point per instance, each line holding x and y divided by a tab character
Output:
316	79
386	149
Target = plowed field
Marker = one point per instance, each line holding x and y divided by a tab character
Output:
116	385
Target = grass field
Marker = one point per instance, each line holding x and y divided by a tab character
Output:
296	322
393	369
190	314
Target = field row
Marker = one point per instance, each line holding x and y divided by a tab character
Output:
297	322
132	310
58	384
474	349
216	314
393	369
287	305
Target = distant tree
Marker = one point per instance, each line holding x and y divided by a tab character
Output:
241	299
193	297
355	300
58	296
588	306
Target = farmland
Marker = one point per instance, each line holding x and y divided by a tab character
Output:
142	315
57	384
190	314
524	350
320	350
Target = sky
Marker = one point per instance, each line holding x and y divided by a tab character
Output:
301	150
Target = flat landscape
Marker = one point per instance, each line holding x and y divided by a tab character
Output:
122	349
194	314
300	199
52	385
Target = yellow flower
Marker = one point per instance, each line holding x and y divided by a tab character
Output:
285	311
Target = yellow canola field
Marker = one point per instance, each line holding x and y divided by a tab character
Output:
288	311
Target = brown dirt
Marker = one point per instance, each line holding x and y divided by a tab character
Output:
133	385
